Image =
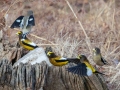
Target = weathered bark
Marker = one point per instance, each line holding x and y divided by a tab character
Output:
60	79
40	76
22	77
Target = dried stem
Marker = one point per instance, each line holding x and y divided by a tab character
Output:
87	38
40	38
11	6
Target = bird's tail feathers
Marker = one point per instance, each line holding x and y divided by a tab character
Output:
104	61
107	63
97	72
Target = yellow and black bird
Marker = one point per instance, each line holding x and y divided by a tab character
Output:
54	59
83	67
97	57
57	60
25	42
25	23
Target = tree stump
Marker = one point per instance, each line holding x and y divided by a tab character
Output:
42	76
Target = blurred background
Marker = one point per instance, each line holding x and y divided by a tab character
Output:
97	25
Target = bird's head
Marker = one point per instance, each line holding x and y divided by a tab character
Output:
51	54
48	49
19	33
96	50
82	58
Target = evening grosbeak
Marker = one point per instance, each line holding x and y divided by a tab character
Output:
25	42
97	57
83	67
25	23
55	59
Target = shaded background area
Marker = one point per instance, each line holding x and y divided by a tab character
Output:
57	26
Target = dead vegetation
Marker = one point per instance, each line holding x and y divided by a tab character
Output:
97	24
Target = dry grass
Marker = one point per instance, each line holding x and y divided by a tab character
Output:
71	33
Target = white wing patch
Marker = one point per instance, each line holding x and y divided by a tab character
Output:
22	39
18	20
63	58
89	71
33	44
31	19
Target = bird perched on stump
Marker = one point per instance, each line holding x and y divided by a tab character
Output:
97	57
57	60
25	23
25	42
83	67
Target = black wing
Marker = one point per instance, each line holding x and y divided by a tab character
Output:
31	21
80	69
17	22
61	60
29	45
74	60
70	60
104	61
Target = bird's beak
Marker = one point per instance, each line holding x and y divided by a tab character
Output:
17	33
94	50
48	54
79	56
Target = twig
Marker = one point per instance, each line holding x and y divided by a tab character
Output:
53	45
39	38
48	44
113	79
11	6
87	38
114	50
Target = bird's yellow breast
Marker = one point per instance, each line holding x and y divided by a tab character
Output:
26	47
53	61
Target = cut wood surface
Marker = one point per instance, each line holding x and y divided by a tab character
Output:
35	56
